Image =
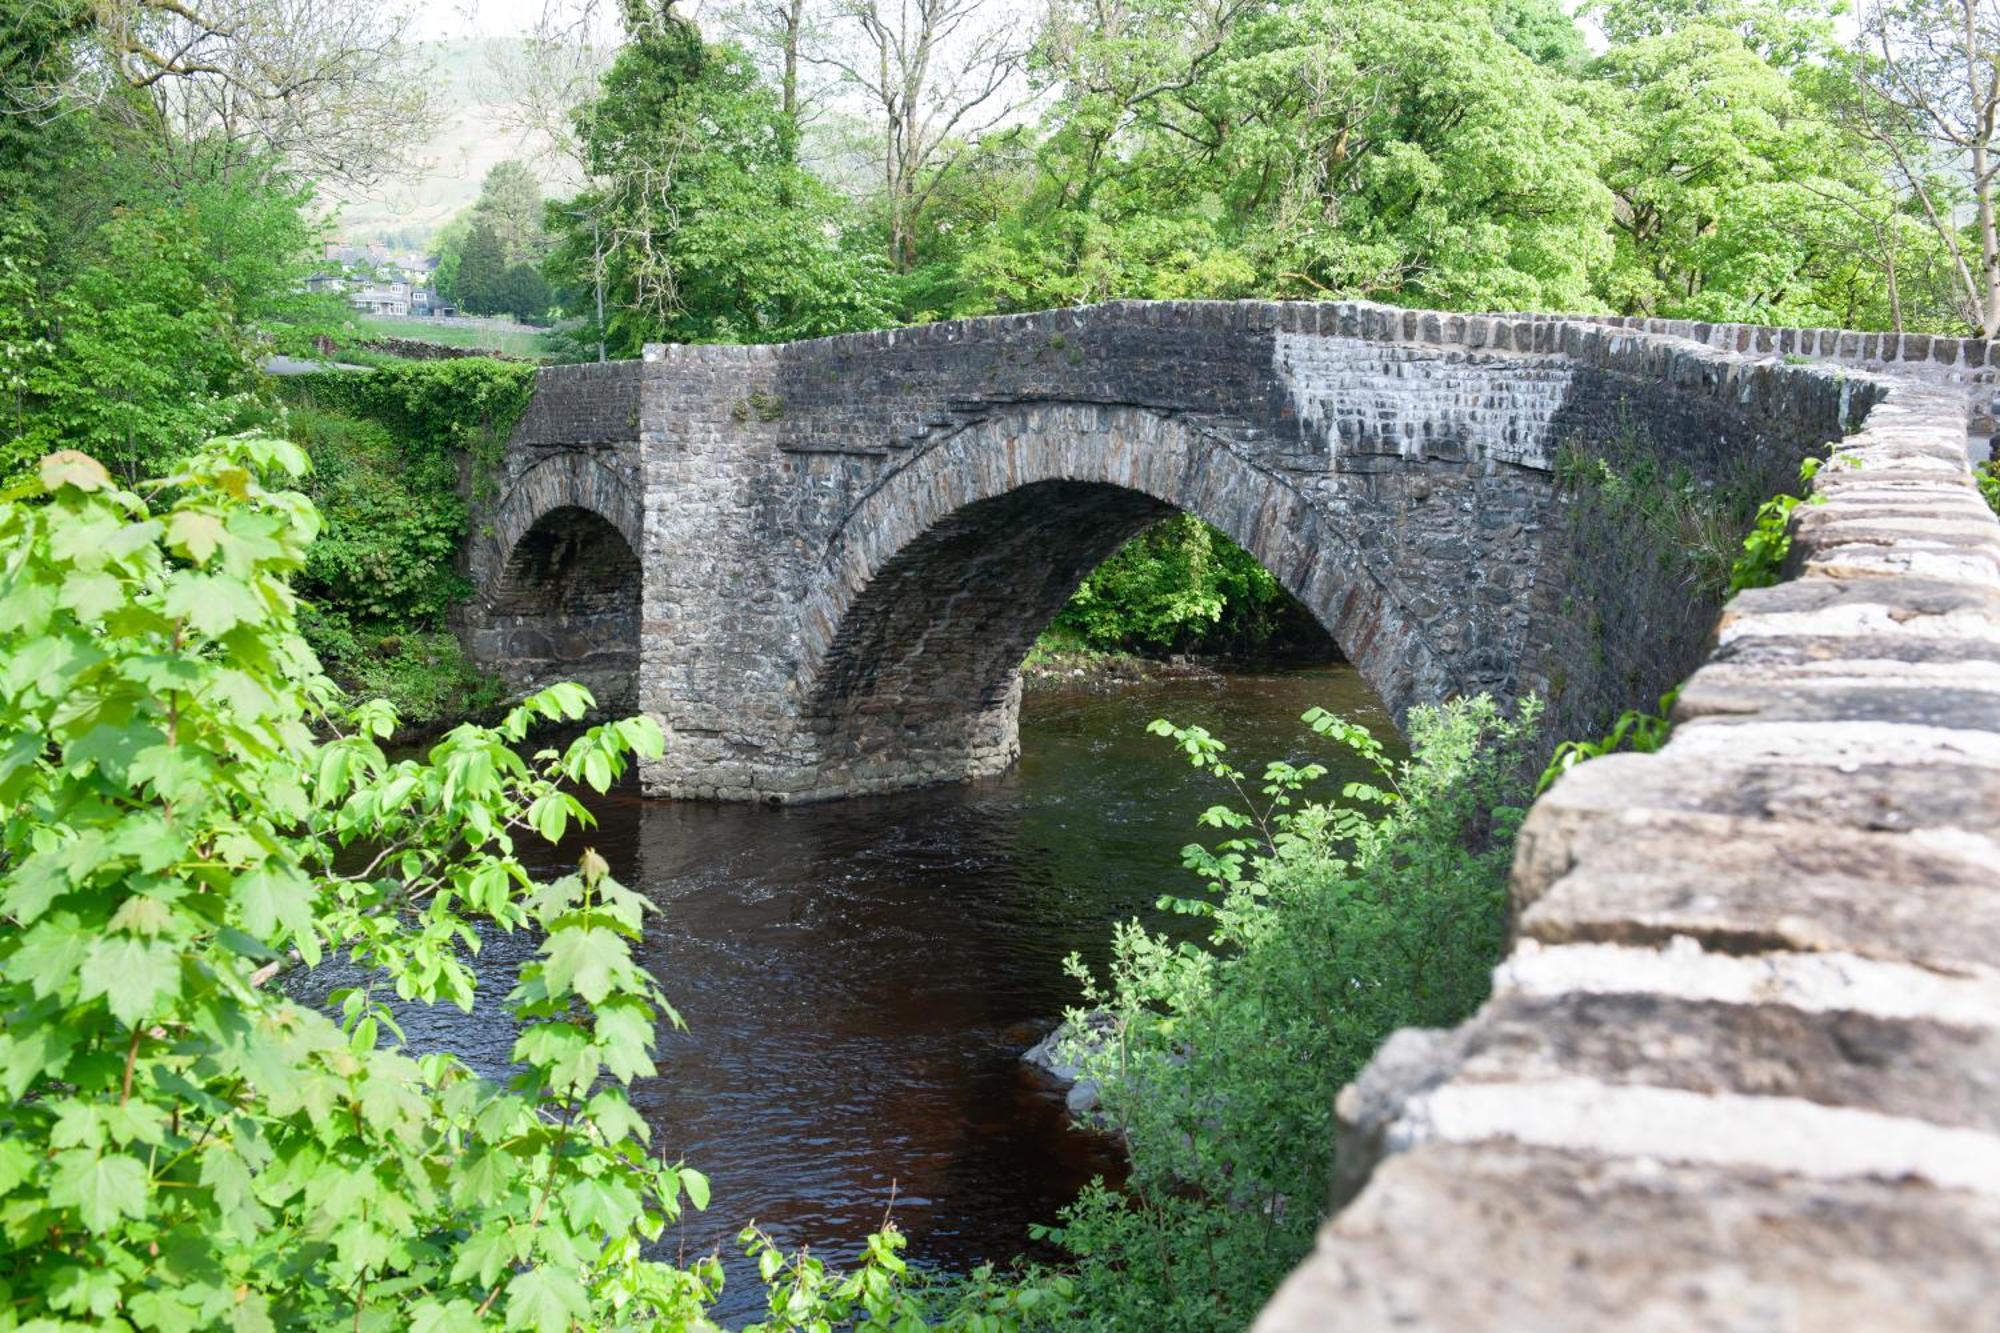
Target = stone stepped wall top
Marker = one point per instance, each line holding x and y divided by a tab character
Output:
1742	1068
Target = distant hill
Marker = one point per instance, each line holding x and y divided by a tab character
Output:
472	135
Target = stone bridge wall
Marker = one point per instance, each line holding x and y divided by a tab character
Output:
839	586
847	545
554	556
1742	1068
1970	363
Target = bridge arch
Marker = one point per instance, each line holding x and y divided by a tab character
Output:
936	583
561	583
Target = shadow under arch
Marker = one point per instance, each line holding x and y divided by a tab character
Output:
567	480
558	580
565	606
936	584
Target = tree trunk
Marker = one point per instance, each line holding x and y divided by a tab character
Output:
597	273
1989	242
788	86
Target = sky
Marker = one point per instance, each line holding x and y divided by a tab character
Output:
440	20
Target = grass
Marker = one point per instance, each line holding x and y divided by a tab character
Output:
522	342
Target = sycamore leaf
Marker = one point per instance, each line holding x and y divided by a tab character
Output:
546	1300
49	955
101	1189
132	975
583	959
483	1255
274	896
460	1316
68	467
91	595
194	534
211	604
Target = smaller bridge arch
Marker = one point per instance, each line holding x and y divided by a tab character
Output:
936	584
559	580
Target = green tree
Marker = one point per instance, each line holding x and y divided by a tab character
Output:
145	273
510	201
1406	152
699	223
481	277
525	294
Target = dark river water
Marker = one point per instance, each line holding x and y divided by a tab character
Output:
859	978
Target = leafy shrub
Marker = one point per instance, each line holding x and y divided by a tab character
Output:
392	522
183	1146
424	673
432	409
1769	542
387	448
1636	730
1333	924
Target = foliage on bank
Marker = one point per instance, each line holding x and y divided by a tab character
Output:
1183	586
394	454
1334	921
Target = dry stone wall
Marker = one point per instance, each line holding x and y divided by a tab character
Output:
1740	1069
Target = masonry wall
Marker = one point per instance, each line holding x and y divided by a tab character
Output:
554	554
1739	1070
819	618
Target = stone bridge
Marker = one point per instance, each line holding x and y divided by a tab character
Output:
820	564
1741	1069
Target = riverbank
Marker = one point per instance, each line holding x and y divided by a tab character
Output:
1060	669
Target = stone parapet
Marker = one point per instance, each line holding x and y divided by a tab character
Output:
1740	1069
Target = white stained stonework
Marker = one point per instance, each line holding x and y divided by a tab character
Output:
1384	398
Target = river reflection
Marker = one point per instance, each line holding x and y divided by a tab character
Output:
859	978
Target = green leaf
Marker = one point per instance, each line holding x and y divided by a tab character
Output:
50	955
194	534
212	605
32	887
251	1314
545	1299
430	1316
272	896
92	595
36	1050
583	959
696	1185
101	1189
133	975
